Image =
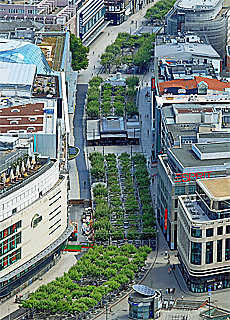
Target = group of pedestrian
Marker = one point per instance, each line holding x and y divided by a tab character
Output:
170	290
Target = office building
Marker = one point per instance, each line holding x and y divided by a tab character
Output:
178	171
208	18
204	235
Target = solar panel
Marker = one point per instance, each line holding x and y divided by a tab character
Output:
146	291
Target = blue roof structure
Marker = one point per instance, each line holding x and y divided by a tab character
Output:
146	291
16	51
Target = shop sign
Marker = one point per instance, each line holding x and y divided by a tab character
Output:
185	177
81	25
166	218
153	86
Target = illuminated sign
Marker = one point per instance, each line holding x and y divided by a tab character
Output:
185	177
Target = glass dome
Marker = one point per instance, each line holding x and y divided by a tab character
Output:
25	52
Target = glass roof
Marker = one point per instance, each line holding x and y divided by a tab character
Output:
24	52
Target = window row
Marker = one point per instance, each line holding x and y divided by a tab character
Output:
197	233
10	230
196	252
10	259
10	243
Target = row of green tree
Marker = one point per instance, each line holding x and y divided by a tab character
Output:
132	213
97	165
112	97
93	97
111	268
128	49
131	96
143	184
159	10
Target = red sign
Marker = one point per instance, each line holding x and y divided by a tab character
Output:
153	83
185	177
166	219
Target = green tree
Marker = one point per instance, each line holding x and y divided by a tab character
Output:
80	53
132	81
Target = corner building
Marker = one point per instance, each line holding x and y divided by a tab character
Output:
178	171
204	235
33	226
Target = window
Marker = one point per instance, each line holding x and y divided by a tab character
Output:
14	122
227	249
30	128
14	210
10	230
196	250
219	231
196	233
192	189
209	232
32	118
209	252
179	190
219	250
228	229
15	110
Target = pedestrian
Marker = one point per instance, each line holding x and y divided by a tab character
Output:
148	132
173	290
167	291
168	256
166	253
146	84
168	270
182	297
93	52
140	116
147	115
141	123
168	263
92	74
94	67
142	84
108	33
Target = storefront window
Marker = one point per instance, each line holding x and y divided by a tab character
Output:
219	250
196	233
227	249
196	249
209	252
192	189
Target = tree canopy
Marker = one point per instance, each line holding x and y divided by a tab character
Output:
80	53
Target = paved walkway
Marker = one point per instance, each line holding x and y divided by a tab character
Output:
79	125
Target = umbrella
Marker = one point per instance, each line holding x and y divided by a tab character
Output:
17	171
33	161
4	178
11	174
22	167
28	163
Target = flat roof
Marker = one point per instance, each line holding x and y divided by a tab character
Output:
171	49
217	147
200	4
215	134
217	187
17	74
188	158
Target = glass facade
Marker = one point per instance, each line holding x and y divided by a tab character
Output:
179	190
27	53
219	251
227	249
10	238
196	233
209	232
196	251
88	25
209	252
